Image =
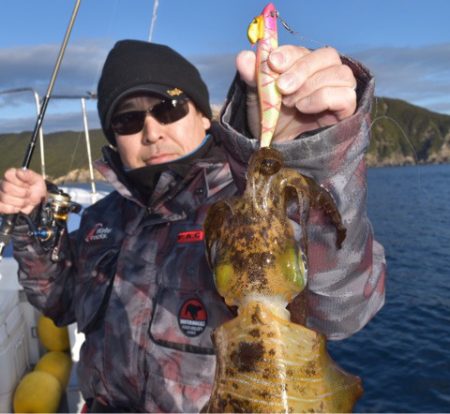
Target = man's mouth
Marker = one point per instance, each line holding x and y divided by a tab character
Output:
160	158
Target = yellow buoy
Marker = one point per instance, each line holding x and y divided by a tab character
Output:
37	392
58	364
51	336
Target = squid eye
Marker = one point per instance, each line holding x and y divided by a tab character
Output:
270	166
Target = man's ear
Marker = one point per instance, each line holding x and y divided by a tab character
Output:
206	123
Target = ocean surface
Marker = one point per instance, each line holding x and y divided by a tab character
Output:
403	354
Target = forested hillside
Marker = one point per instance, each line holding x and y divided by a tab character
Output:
401	134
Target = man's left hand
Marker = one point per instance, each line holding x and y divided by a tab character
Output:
317	89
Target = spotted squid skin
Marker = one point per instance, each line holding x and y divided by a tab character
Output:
250	240
265	362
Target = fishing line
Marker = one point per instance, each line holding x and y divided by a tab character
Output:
297	34
415	156
389	118
377	118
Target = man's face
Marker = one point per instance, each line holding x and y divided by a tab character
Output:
158	143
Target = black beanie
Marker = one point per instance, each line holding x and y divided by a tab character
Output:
135	66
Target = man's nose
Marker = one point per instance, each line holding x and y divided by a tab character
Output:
153	130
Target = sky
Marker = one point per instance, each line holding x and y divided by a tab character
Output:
405	43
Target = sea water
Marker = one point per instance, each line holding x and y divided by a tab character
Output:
403	354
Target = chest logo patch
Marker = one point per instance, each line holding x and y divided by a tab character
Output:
190	236
98	232
192	317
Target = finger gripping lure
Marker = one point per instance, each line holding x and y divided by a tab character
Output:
263	31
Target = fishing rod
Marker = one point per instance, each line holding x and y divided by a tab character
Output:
9	220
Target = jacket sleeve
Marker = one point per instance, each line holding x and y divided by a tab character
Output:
346	286
49	285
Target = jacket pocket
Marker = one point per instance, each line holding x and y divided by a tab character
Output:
184	320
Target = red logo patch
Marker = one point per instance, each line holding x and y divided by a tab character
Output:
192	317
190	236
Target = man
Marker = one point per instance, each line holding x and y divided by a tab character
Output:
135	291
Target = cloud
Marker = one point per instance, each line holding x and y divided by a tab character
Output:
218	72
32	67
420	75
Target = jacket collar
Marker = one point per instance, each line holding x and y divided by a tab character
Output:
173	191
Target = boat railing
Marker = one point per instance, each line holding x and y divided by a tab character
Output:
37	101
83	99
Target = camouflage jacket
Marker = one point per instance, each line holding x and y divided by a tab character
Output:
136	280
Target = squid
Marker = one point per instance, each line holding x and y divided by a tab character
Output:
265	361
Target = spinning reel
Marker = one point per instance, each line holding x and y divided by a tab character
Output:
52	224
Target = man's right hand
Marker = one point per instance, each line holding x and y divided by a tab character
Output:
21	191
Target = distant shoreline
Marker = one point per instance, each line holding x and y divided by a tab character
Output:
82	175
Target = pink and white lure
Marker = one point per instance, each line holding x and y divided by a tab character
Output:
263	31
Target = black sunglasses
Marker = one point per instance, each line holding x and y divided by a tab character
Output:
165	112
